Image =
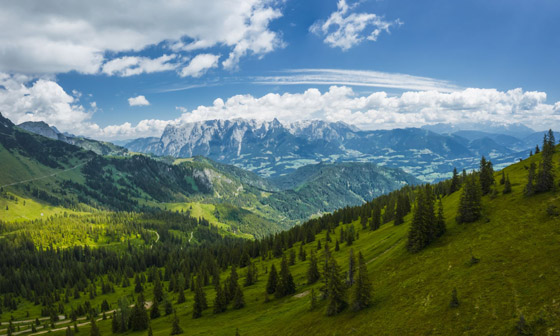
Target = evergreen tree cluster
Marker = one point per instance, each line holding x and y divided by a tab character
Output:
427	225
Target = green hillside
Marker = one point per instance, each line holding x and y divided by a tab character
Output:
502	266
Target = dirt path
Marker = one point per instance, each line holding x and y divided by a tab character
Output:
192	232
382	253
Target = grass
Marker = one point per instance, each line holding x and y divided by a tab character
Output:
517	244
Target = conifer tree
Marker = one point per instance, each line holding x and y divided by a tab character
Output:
545	175
138	285
158	288
362	290
470	204
139	317
537	150
154	312
302	253
238	299
507	186
292	260
251	275
440	220
336	289
272	280
375	218
220	302
175	327
351	267
503	178
486	175
286	285
313	299
336	246
403	208
150	331
199	299
168	307
94	331
455	182
423	229
69	331
313	270
530	186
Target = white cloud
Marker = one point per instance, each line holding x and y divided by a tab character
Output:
381	111
344	29
24	100
357	78
138	101
54	36
199	65
133	65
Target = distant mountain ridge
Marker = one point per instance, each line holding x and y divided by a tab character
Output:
51	132
272	148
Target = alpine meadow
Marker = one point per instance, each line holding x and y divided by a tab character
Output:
274	167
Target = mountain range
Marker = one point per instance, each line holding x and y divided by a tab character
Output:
272	148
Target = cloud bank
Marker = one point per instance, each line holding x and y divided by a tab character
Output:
24	100
57	36
138	101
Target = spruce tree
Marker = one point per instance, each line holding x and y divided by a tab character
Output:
69	331
313	270
175	327
486	175
455	182
351	267
503	178
220	302
336	290
402	209
138	285
530	186
150	331
286	285
470	204
507	186
272	280
423	229
545	175
362	290
158	289
199	299
238	299
139	317
94	331
154	312
375	218
440	220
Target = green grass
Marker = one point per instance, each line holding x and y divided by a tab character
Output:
517	243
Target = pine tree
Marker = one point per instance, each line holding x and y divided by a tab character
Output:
313	299
375	218
302	254
292	260
423	228
150	331
455	182
486	175
336	290
138	285
507	186
530	186
94	331
154	312
362	290
199	299
220	302
286	285
440	220
313	270
537	150
470	204
181	298
503	179
175	327
158	289
545	175
69	331
272	280
139	317
403	207
351	267
336	246
238	300
168	307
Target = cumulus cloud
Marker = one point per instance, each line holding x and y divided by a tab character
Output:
138	101
133	65
199	65
382	111
344	29
55	36
22	99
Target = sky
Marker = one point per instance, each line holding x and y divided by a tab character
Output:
125	69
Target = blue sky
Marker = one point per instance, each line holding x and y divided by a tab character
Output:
82	68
